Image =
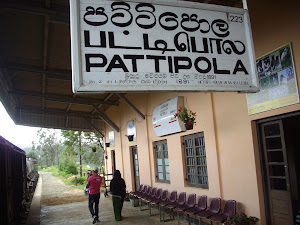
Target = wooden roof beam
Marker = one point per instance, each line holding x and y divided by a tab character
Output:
54	74
121	96
60	112
45	54
94	127
63	98
107	120
54	15
105	99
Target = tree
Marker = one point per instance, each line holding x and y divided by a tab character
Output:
49	146
32	154
93	141
80	143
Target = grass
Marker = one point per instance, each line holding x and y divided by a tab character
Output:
64	177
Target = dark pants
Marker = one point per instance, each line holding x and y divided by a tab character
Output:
118	205
94	202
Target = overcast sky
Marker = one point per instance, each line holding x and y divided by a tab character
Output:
21	136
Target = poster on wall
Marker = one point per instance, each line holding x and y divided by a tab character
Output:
131	130
277	79
111	138
160	45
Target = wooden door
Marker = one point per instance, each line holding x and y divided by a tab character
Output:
277	173
135	166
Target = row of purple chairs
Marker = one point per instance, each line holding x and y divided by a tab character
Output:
159	198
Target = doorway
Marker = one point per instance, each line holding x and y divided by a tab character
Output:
113	163
279	151
135	166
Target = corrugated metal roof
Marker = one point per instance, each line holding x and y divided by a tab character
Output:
35	67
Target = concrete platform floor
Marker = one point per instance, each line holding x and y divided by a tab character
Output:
77	213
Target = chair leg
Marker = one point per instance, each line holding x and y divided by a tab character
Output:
188	216
150	208
140	200
159	208
159	213
178	216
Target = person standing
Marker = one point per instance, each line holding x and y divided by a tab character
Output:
118	191
87	187
94	183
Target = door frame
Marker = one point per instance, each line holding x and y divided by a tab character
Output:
136	187
262	159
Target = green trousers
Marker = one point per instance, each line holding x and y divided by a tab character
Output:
117	204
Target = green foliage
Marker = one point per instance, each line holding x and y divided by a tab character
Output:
81	180
72	146
78	143
185	114
48	147
42	167
68	166
241	219
32	154
54	170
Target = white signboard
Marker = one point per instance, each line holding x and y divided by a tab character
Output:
131	129
163	119
160	46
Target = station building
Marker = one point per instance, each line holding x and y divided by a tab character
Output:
238	149
250	158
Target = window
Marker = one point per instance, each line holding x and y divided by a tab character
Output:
162	161
195	160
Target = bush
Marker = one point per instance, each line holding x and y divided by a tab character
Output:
240	219
41	167
68	166
81	180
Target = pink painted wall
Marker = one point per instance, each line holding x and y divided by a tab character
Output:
230	135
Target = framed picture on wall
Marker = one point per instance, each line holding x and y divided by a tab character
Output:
278	81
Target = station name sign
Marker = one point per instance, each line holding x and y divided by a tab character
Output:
160	46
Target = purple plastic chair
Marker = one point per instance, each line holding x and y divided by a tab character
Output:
191	202
152	195
214	209
229	208
147	194
142	192
156	201
148	197
133	193
163	204
179	203
201	206
155	198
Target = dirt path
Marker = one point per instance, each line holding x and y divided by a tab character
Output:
55	192
52	186
61	203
